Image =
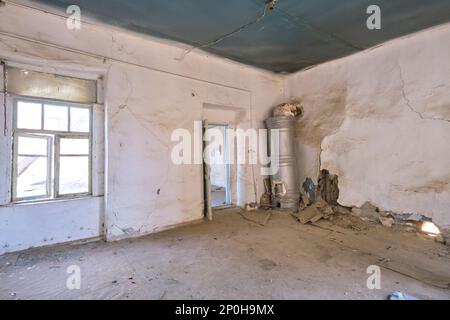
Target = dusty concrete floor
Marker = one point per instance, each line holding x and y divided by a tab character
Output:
232	258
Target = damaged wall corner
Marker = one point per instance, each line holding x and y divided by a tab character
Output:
382	129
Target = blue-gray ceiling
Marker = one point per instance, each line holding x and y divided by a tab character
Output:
295	35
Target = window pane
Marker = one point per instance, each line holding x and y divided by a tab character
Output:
32	146
29	115
73	175
74	146
56	118
79	119
31	177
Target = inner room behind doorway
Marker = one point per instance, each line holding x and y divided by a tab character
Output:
220	170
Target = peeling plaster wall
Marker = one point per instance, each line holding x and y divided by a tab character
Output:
149	92
380	120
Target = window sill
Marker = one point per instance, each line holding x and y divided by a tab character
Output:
49	201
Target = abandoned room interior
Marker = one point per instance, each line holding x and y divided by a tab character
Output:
239	149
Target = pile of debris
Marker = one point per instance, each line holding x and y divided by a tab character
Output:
320	202
311	212
409	222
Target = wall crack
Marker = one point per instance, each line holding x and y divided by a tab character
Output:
232	33
408	101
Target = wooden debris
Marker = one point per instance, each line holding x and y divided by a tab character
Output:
309	214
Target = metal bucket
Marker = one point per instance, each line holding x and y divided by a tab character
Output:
285	185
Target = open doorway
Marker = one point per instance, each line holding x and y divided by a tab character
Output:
219	170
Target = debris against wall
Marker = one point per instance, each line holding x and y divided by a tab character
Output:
327	186
380	121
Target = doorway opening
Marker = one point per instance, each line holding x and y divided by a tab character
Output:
219	176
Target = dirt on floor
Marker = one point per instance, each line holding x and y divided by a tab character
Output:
238	255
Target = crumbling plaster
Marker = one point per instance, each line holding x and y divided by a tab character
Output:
380	120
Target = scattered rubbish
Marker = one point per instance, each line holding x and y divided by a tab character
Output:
367	211
341	210
398	295
251	206
308	214
292	109
310	189
382	259
386	221
314	212
324	207
257	215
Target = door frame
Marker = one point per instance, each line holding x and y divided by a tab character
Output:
207	172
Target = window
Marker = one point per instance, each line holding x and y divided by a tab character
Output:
52	149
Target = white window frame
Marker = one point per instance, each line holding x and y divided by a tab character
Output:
53	153
49	164
57	158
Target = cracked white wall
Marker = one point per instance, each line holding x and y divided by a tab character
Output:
149	91
380	120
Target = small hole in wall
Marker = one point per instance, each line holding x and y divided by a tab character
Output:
158	192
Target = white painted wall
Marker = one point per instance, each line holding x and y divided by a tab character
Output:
33	225
380	120
149	92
